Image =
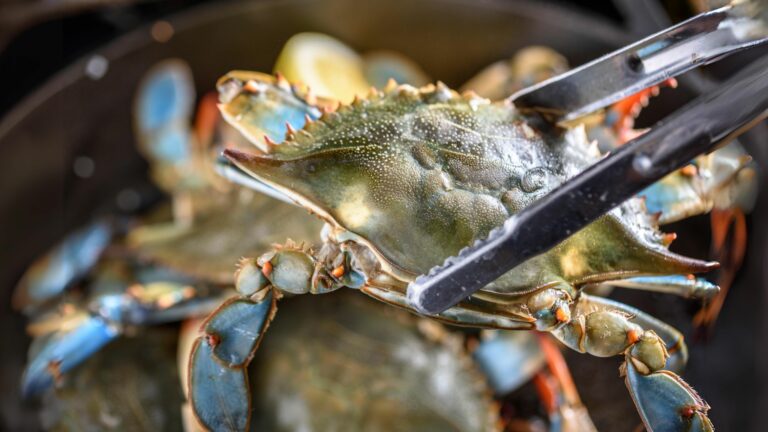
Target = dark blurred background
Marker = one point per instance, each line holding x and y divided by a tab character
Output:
69	69
40	37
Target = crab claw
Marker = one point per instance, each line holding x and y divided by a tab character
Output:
162	110
56	353
665	402
724	178
260	108
67	262
218	375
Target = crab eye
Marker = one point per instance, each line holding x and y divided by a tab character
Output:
250	278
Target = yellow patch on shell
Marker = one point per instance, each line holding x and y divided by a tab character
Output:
573	263
354	210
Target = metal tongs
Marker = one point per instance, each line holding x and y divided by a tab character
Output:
699	127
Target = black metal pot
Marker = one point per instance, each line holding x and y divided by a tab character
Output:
74	114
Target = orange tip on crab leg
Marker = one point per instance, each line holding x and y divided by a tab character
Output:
621	115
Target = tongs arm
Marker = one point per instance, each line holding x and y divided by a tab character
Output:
700	40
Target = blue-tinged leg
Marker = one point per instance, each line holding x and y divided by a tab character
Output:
604	328
509	359
153	295
117	302
665	402
687	286
674	197
163	110
56	353
67	262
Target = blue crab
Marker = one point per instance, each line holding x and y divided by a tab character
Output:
121	277
405	177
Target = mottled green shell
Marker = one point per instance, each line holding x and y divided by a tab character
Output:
245	225
419	174
345	362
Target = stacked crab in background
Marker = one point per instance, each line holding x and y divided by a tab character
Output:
118	276
405	177
125	277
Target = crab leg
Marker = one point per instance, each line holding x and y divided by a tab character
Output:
67	262
729	250
463	314
64	340
604	328
566	411
218	377
59	352
687	286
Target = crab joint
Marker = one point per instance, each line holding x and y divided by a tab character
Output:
649	353
266	270
338	271
549	307
250	277
689	170
632	336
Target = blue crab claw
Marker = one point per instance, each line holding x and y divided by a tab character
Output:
67	262
665	402
164	105
56	353
722	179
218	376
267	110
